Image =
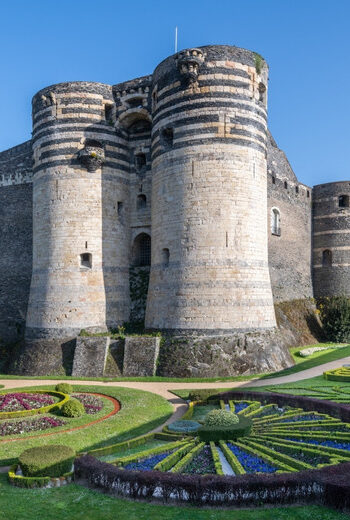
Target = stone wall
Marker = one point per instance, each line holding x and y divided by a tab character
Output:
15	239
331	239
290	245
209	239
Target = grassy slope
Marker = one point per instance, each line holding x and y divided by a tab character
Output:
305	383
154	379
299	359
78	503
140	412
312	361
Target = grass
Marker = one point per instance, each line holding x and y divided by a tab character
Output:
78	503
299	359
140	413
312	361
154	379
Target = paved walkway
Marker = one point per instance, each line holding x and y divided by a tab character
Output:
164	389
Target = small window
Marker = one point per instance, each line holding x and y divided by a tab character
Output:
154	99
262	92
86	260
140	162
108	113
165	256
308	194
135	102
141	202
343	201
167	137
286	185
275	222
327	258
273	179
120	208
296	189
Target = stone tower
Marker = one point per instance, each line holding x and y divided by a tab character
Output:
80	248
331	239
209	270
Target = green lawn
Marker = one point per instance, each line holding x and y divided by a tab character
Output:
154	379
313	361
77	503
140	412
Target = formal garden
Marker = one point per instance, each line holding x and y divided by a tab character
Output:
285	447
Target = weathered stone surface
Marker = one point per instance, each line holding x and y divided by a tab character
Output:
231	355
90	356
44	357
140	356
115	359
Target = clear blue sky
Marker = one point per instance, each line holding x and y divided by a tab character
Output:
306	43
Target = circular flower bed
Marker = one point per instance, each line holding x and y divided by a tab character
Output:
338	374
21	404
277	439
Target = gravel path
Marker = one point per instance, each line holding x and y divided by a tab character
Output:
164	388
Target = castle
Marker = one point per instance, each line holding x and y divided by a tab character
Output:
175	171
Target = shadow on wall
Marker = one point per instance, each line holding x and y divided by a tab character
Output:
299	318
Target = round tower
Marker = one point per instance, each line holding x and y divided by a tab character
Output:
80	231
331	239
209	269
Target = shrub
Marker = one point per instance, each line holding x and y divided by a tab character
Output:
65	388
184	426
46	461
335	316
233	432
201	395
73	408
221	418
338	374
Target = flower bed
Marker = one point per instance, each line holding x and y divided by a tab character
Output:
202	463
91	403
148	463
13	402
14	427
22	404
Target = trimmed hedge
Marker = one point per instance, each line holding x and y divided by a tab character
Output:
45	409
221	418
329	486
65	388
174	458
135	457
184	426
216	458
338	410
202	394
181	465
33	482
138	441
338	374
73	408
283	462
46	461
236	466
217	433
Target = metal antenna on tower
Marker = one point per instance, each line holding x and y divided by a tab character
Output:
175	39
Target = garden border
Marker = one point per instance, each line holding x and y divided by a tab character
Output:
329	485
117	407
35	411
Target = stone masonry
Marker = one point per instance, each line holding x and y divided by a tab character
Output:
172	176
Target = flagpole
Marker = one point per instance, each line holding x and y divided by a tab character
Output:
175	39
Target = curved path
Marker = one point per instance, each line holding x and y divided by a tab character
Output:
164	389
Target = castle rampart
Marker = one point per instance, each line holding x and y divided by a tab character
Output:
175	174
331	239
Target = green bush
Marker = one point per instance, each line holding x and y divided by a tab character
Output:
217	433
221	418
46	461
201	395
73	408
335	317
65	388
